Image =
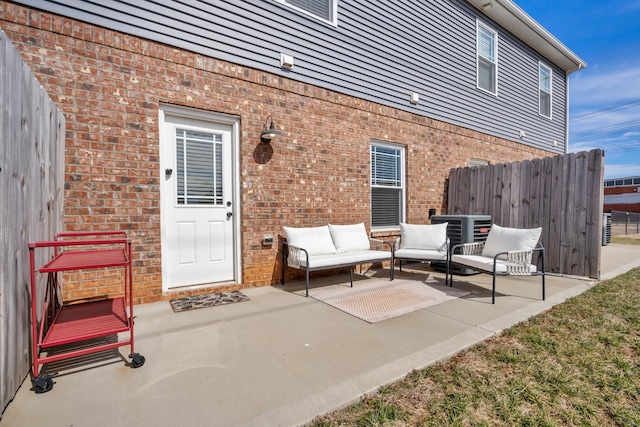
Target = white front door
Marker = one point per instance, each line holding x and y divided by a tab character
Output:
198	200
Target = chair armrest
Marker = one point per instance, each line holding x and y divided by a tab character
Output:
294	255
519	262
380	245
474	248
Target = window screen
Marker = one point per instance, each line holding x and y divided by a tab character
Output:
387	185
320	8
545	90
487	58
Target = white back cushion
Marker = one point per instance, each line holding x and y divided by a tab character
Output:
423	236
316	240
349	238
504	239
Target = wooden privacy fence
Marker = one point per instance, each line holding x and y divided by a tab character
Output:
563	195
31	198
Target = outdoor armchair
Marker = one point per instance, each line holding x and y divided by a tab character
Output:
506	252
421	242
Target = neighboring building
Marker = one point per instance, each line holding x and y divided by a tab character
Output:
165	103
622	194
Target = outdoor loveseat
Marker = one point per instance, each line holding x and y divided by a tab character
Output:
506	252
330	247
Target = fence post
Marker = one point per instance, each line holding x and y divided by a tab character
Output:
626	225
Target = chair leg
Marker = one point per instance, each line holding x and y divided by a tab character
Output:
284	261
351	276
307	280
493	291
392	273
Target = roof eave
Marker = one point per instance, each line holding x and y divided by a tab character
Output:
514	19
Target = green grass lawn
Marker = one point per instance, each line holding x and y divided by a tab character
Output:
577	364
632	239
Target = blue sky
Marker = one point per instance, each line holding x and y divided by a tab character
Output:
604	105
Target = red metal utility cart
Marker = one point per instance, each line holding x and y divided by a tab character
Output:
61	324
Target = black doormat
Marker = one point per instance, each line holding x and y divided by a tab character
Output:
207	300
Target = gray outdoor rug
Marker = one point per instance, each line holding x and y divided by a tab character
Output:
207	300
374	300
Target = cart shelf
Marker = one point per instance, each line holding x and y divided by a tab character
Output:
66	324
83	260
87	320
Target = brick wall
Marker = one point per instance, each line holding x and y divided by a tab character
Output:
109	86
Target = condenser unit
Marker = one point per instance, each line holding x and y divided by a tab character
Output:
462	229
606	229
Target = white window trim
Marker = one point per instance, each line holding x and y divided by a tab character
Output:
334	6
495	49
403	180
541	65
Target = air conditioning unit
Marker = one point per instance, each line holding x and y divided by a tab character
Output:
606	229
462	229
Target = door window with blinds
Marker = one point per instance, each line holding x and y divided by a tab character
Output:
487	53
323	9
544	77
199	168
387	185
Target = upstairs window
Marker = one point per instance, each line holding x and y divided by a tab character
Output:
323	9
487	53
387	185
544	75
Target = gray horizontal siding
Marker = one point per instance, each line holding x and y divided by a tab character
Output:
380	51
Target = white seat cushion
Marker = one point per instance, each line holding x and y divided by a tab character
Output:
422	254
315	240
485	264
504	239
349	258
349	238
423	236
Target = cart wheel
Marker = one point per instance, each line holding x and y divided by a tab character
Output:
137	360
42	384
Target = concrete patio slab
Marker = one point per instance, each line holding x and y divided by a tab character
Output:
281	359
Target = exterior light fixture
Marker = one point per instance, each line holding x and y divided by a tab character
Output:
269	133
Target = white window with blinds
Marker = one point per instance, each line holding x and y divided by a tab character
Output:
199	168
545	89
323	9
387	185
487	58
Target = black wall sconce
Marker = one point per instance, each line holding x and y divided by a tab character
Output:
269	133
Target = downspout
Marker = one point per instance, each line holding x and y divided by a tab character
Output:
566	112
